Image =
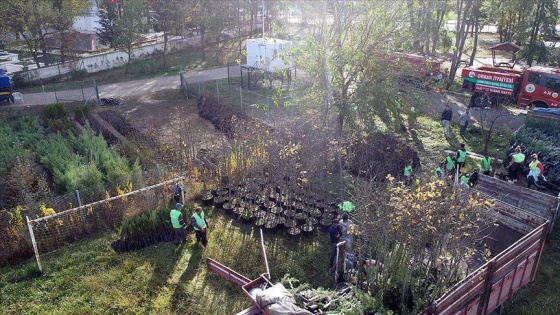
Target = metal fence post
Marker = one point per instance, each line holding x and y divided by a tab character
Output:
96	92
218	90
241	97
182	191
55	96
82	87
35	249
268	106
78	198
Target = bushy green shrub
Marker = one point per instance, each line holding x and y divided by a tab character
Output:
9	147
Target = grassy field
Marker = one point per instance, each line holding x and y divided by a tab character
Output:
88	277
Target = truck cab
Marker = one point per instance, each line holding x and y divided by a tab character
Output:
540	88
534	86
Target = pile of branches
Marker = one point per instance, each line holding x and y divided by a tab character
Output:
226	119
379	155
221	116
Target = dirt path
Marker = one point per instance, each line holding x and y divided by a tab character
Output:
509	119
128	88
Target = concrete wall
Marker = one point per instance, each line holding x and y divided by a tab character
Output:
108	60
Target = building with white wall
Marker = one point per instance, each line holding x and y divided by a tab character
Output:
268	54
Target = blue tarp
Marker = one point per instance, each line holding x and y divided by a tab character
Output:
554	111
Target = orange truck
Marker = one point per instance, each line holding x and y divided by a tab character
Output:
532	86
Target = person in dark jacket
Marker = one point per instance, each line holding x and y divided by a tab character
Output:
446	117
334	233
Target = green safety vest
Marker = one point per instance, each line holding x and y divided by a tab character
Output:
533	166
175	214
407	170
462	155
518	157
199	220
438	173
485	164
464	179
450	163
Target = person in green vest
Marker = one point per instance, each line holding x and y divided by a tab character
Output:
449	164
178	224
461	157
534	172
408	172
200	225
515	165
486	164
464	178
438	173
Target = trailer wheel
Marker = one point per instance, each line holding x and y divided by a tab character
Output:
538	104
12	99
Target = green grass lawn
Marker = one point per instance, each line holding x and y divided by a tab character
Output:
88	277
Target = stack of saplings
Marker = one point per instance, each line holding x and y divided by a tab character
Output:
379	155
544	141
144	230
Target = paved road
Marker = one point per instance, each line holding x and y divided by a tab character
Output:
128	88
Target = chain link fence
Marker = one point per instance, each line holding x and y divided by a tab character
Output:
16	242
263	103
85	91
53	231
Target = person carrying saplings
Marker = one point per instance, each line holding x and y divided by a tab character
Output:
449	164
408	172
515	165
178	224
200	224
534	172
486	164
461	157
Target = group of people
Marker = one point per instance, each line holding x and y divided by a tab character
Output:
339	231
447	116
197	220
536	168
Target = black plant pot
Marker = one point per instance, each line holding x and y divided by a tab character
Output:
290	223
238	210
325	223
228	207
312	221
275	210
260	222
300	217
316	213
307	229
280	221
219	201
207	198
271	226
294	232
222	191
247	216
